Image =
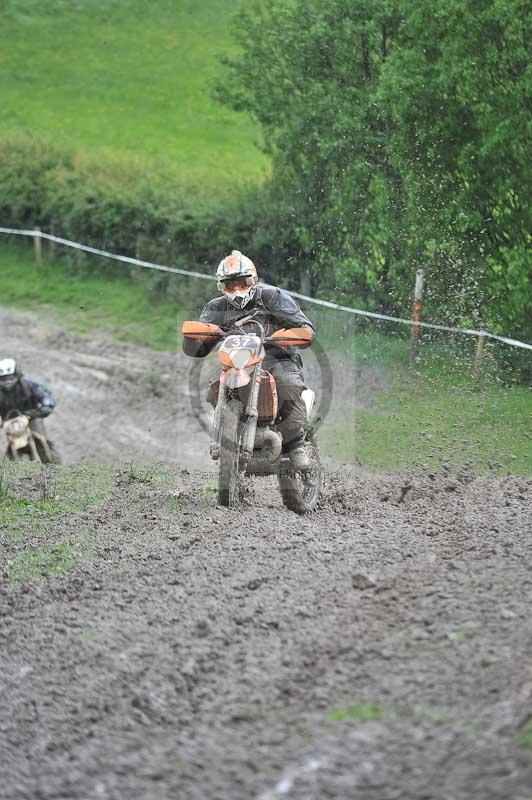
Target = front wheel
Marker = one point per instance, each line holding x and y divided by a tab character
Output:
301	490
19	454
228	477
12	454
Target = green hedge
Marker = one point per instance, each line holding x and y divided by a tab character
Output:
125	213
132	214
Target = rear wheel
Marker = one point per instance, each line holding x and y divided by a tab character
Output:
301	490
228	477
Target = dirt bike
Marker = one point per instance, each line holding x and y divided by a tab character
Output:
23	442
245	438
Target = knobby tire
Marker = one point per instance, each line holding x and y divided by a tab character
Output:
228	477
301	493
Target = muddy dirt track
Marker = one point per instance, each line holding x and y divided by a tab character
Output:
116	402
379	649
120	403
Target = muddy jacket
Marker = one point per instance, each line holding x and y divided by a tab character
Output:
26	396
276	310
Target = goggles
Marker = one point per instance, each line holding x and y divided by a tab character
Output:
233	284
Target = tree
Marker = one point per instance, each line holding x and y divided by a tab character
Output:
307	72
399	137
462	81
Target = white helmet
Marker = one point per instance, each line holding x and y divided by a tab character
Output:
8	373
237	278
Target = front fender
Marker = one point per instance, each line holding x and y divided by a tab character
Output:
235	378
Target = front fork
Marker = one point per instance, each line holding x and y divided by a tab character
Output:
250	426
252	413
216	438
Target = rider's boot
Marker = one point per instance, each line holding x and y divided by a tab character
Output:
299	458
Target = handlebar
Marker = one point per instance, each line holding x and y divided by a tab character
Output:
237	329
264	339
211	333
250	321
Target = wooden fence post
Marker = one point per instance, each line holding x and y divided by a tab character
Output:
305	283
37	248
478	356
417	308
51	244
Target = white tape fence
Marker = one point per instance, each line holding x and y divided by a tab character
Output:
37	234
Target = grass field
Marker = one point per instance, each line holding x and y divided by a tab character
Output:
127	82
54	493
426	424
87	303
431	418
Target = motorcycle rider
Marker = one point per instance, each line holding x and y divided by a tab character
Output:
24	396
274	309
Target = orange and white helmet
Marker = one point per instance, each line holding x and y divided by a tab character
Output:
237	278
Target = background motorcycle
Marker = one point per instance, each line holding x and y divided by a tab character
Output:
23	442
245	435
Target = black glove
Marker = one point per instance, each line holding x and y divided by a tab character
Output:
44	408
